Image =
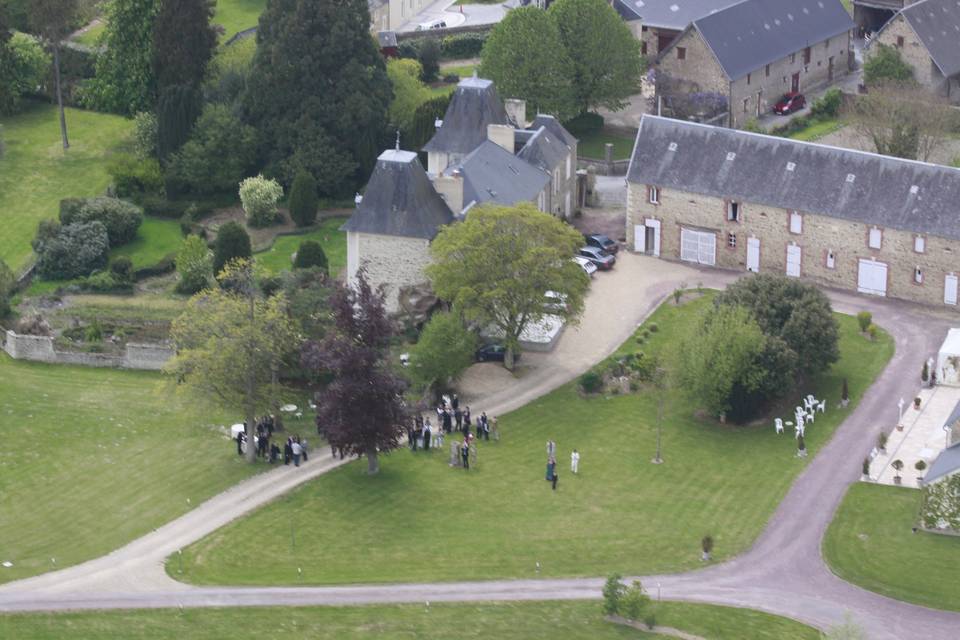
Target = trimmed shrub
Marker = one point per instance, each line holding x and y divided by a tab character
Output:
429	60
106	282
232	242
121	219
163	267
463	45
864	320
451	78
122	269
145	134
303	199
135	177
72	251
828	105
591	382
259	197
310	254
193	265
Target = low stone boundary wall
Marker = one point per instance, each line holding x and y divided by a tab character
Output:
151	357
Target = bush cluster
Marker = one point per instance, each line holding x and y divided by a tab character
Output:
71	250
135	177
310	254
121	219
453	47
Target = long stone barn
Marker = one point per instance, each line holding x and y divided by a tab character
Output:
749	202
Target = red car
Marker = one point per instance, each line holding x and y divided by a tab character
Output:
789	103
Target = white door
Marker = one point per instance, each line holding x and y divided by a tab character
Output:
698	246
872	278
655	225
950	289
639	238
753	254
793	260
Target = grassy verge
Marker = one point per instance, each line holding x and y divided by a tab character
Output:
817	130
505	621
462	70
91	37
93	458
592	145
237	15
328	234
871	544
420	520
156	239
36	173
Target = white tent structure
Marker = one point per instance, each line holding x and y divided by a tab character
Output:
948	360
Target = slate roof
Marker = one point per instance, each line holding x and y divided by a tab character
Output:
668	14
937	24
793	175
750	34
474	105
399	200
553	125
544	150
946	464
493	174
387	38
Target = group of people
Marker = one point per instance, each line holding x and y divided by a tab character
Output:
423	434
552	476
294	448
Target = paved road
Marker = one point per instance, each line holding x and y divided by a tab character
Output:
783	573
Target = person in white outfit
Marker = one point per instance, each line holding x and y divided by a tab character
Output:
574	461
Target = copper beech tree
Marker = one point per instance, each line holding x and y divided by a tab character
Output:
361	410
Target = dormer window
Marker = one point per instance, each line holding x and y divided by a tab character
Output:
654	194
733	211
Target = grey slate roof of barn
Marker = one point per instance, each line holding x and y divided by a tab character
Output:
750	34
544	150
474	105
493	174
937	24
399	200
885	191
946	464
553	125
668	14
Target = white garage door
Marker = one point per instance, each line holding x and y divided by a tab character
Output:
698	246
793	260
950	289
872	278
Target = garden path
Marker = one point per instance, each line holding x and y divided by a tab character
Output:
783	573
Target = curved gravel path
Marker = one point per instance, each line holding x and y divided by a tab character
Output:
783	572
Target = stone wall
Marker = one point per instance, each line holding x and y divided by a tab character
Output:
391	262
699	66
925	72
820	235
41	349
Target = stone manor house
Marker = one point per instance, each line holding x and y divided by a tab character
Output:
749	202
482	152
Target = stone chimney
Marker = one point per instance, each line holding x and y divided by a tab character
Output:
450	189
501	134
516	111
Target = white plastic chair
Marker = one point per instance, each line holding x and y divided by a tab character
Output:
778	424
822	407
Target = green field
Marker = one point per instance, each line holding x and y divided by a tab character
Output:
592	146
156	239
504	621
237	15
93	458
36	173
871	544
328	234
420	520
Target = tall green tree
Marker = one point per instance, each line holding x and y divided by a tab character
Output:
124	81
524	55
23	67
53	21
178	108
230	344
303	201
183	42
884	64
409	92
232	242
220	152
444	351
497	265
318	93
606	60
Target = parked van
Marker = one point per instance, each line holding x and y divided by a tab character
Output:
433	24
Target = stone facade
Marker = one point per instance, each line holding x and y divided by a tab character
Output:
379	16
820	237
900	35
391	262
691	61
151	357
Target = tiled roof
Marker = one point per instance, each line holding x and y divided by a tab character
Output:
474	105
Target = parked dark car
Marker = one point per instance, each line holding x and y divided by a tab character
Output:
602	259
789	103
494	353
601	241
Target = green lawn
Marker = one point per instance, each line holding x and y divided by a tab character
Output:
36	173
93	458
237	15
156	239
871	544
91	37
462	70
817	130
328	234
420	520
505	621
592	146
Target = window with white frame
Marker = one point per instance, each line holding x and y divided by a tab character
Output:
568	166
918	275
875	239
733	211
831	259
796	222
919	244
654	195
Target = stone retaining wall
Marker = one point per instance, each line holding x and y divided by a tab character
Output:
150	357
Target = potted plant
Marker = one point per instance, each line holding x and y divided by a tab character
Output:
920	466
916	403
882	442
897	466
706	544
899	426
925	373
865	468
